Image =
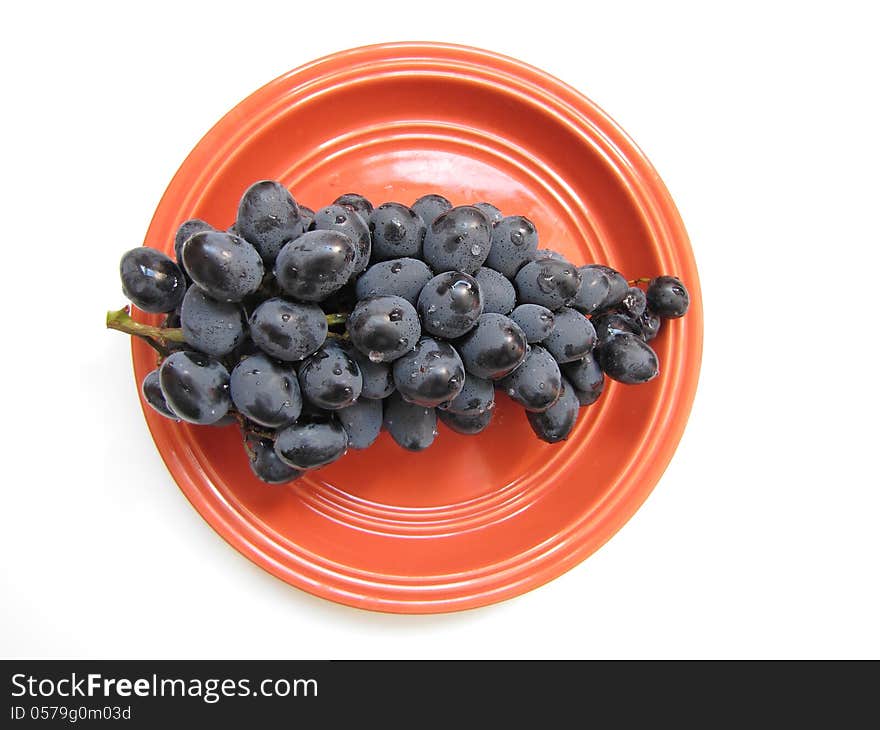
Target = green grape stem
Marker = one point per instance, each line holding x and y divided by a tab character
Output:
157	337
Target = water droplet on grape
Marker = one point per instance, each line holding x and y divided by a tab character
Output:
375	356
541	386
511	392
337	370
396	267
475	250
340	218
285	317
432	309
395	315
516	238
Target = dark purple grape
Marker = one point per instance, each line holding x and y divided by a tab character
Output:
429	207
572	336
617	286
227	267
340	219
265	464
535	321
494	347
362	421
152	393
209	326
499	296
265	391
310	268
450	304
458	240
384	328
307	216
330	378
431	374
377	376
396	277
397	232
593	292
634	303
412	427
557	422
547	282
287	330
357	203
468	425
268	217
609	325
514	243
195	386
668	297
625	357
312	442
493	215
650	324
477	395
586	378
535	384
187	229
150	280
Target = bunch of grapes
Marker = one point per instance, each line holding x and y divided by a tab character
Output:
314	330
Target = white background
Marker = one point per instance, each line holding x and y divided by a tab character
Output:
761	540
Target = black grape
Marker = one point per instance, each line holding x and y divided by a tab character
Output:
268	217
535	384
339	218
227	267
152	393
265	464
384	328
412	427
287	330
316	264
311	442
586	377
557	422
265	391
330	378
571	337
458	240
150	280
356	203
494	347
547	282
668	297
195	386
215	328
362	421
514	243
397	232
187	229
536	321
429	207
450	304
477	395
625	357
499	296
396	277
431	374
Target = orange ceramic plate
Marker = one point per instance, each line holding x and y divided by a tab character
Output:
472	520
